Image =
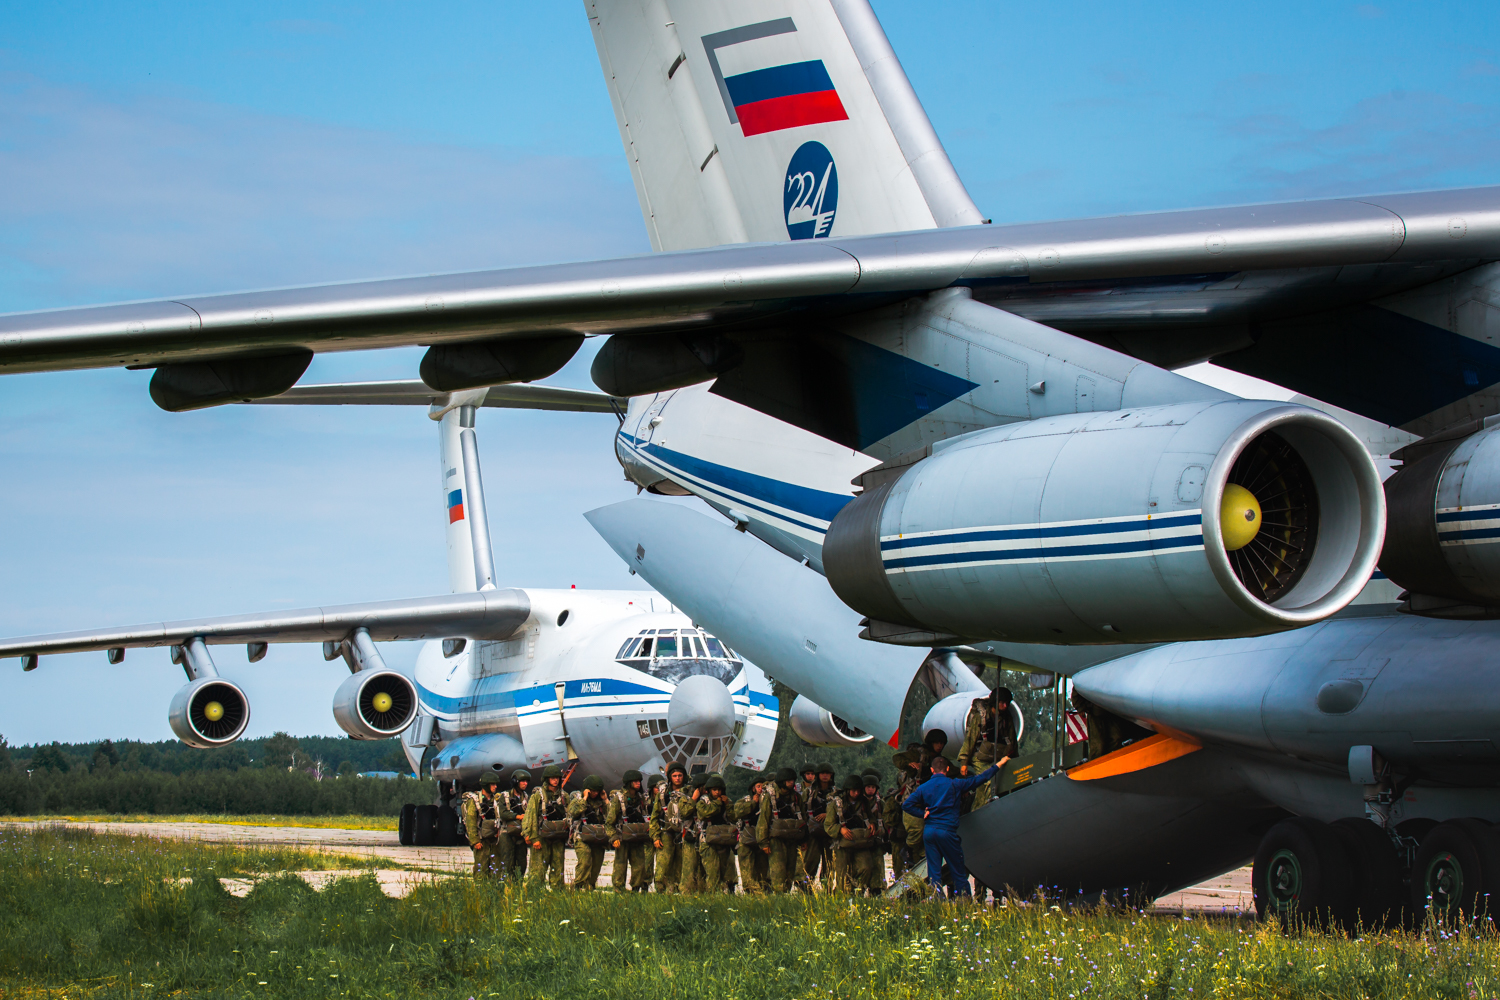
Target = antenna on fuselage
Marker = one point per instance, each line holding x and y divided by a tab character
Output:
471	560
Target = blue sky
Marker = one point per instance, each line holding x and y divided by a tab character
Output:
169	149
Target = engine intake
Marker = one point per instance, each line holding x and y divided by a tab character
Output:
209	712
375	704
816	725
950	714
1189	521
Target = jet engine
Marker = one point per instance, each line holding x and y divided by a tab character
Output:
1443	542
209	712
375	704
470	759
1155	524
816	725
952	712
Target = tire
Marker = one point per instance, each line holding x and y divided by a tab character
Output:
1457	871
1302	875
405	824
447	826
1379	893
424	826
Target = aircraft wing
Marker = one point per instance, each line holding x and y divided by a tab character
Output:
490	614
416	393
1105	276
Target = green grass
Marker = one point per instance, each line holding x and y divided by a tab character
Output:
310	822
107	916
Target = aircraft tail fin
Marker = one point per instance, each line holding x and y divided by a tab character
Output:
794	122
471	563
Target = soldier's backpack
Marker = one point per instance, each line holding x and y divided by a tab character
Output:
720	835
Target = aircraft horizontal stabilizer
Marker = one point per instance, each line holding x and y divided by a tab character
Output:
490	614
412	392
780	614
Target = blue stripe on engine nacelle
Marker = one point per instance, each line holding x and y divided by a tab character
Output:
1043	531
1143	546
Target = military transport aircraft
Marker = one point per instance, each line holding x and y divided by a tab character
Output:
597	681
1035	482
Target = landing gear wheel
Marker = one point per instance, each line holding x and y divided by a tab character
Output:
1379	895
1302	874
424	826
405	824
447	827
1457	869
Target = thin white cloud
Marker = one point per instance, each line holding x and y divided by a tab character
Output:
155	196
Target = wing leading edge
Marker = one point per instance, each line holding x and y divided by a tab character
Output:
490	614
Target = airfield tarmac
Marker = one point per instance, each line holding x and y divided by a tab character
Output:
1228	893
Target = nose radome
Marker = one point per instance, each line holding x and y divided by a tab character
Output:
701	706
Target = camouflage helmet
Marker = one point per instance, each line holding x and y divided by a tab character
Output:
935	736
552	771
519	775
808	769
630	776
593	783
871	780
715	781
853	783
653	781
785	774
760	778
869	771
823	768
676	765
699	780
913	745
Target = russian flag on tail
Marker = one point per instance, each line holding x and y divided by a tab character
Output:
455	506
768	100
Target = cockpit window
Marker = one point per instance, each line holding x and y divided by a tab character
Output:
677	656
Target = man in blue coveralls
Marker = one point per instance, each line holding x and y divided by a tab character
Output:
937	800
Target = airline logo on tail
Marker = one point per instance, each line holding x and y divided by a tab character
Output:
775	97
811	194
455	506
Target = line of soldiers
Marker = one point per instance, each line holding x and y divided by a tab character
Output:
684	834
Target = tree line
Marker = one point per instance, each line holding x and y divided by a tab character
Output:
274	775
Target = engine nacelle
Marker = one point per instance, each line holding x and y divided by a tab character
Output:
209	712
952	712
375	704
1443	541
816	725
1155	524
471	759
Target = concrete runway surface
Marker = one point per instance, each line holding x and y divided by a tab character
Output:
1228	893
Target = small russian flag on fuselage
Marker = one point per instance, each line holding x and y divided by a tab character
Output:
768	100
455	506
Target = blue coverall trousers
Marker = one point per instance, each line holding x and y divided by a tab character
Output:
943	845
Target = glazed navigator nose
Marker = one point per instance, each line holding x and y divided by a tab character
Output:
701	706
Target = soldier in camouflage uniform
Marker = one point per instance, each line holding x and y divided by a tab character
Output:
511	805
628	806
781	802
692	857
905	851
874	806
818	852
669	813
654	785
989	734
482	827
548	804
853	826
590	836
714	817
754	863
